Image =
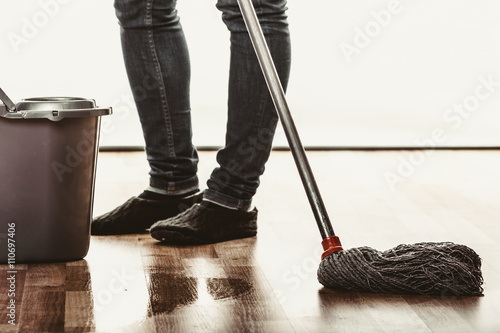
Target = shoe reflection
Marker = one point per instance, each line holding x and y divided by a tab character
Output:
122	300
169	291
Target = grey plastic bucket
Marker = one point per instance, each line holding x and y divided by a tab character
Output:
48	155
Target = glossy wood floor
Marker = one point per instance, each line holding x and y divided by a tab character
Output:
268	283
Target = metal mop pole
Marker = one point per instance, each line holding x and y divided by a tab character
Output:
331	243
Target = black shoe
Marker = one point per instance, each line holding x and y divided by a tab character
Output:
138	214
204	225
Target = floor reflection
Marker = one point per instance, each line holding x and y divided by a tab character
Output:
227	288
169	291
163	286
119	288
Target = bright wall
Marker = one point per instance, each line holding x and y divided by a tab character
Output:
364	73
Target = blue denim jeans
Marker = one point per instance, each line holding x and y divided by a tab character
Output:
158	67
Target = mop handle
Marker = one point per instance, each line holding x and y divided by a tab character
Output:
10	106
279	100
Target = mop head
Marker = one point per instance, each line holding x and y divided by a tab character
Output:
423	268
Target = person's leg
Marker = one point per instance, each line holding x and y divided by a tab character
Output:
251	125
158	68
157	63
252	117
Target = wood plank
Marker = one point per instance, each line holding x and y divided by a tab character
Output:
43	310
78	311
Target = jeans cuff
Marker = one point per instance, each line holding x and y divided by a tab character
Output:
174	188
226	200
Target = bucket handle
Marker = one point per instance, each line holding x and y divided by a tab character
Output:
8	106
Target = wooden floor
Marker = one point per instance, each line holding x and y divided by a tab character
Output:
268	283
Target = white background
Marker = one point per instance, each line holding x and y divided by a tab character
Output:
427	57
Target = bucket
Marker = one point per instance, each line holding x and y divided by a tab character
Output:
48	155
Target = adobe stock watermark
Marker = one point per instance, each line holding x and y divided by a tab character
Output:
249	147
75	155
121	110
453	117
293	277
126	103
12	306
363	36
34	23
116	285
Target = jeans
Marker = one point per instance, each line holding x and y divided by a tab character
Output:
157	63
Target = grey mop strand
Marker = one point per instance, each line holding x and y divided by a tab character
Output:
423	268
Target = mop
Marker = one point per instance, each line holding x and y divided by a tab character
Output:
424	268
